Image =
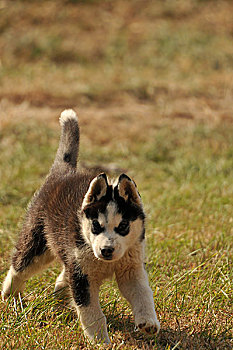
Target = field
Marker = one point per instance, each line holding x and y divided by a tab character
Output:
152	83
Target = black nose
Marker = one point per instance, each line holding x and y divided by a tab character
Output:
107	252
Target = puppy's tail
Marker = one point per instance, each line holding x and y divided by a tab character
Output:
67	153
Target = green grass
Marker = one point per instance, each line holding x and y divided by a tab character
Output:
152	84
186	185
137	55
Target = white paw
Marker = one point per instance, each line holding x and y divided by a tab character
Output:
60	287
4	296
148	326
97	338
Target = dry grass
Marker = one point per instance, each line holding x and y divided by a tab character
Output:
152	84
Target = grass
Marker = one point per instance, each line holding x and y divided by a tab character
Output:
153	89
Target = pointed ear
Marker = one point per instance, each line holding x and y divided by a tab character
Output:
128	190
97	189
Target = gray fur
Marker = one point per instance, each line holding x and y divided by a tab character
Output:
59	224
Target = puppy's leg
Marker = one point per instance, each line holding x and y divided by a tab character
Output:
133	283
16	278
85	293
31	255
61	281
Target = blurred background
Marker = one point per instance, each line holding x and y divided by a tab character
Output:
151	59
152	83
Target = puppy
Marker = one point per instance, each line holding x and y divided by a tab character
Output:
95	228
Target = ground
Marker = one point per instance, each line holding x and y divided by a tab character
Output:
151	82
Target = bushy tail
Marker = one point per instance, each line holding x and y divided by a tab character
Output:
67	153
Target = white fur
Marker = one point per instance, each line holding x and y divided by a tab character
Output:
92	318
61	281
126	261
109	238
66	115
93	183
137	291
15	281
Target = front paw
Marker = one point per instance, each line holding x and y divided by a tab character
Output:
4	295
148	326
98	338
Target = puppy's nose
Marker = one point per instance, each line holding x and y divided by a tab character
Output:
107	252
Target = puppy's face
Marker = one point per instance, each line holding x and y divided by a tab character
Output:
112	217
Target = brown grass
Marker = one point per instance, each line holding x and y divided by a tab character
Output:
133	70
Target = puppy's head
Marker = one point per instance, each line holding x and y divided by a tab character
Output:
112	217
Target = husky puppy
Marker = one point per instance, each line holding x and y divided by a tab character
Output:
95	228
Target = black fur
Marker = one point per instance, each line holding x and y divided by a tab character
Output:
142	235
92	210
103	176
123	228
35	245
67	157
96	227
79	285
79	240
129	210
53	223
124	176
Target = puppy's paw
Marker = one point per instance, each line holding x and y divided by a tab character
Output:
4	296
98	338
148	326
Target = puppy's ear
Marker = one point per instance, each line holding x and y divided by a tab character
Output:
97	189
127	189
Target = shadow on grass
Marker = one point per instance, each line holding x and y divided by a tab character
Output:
168	338
197	340
120	326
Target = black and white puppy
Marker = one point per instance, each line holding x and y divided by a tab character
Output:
95	228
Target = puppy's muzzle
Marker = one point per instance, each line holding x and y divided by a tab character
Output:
107	252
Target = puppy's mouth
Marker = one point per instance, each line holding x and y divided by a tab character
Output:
107	259
107	253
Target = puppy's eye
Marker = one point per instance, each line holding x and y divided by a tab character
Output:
96	228
123	228
123	225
